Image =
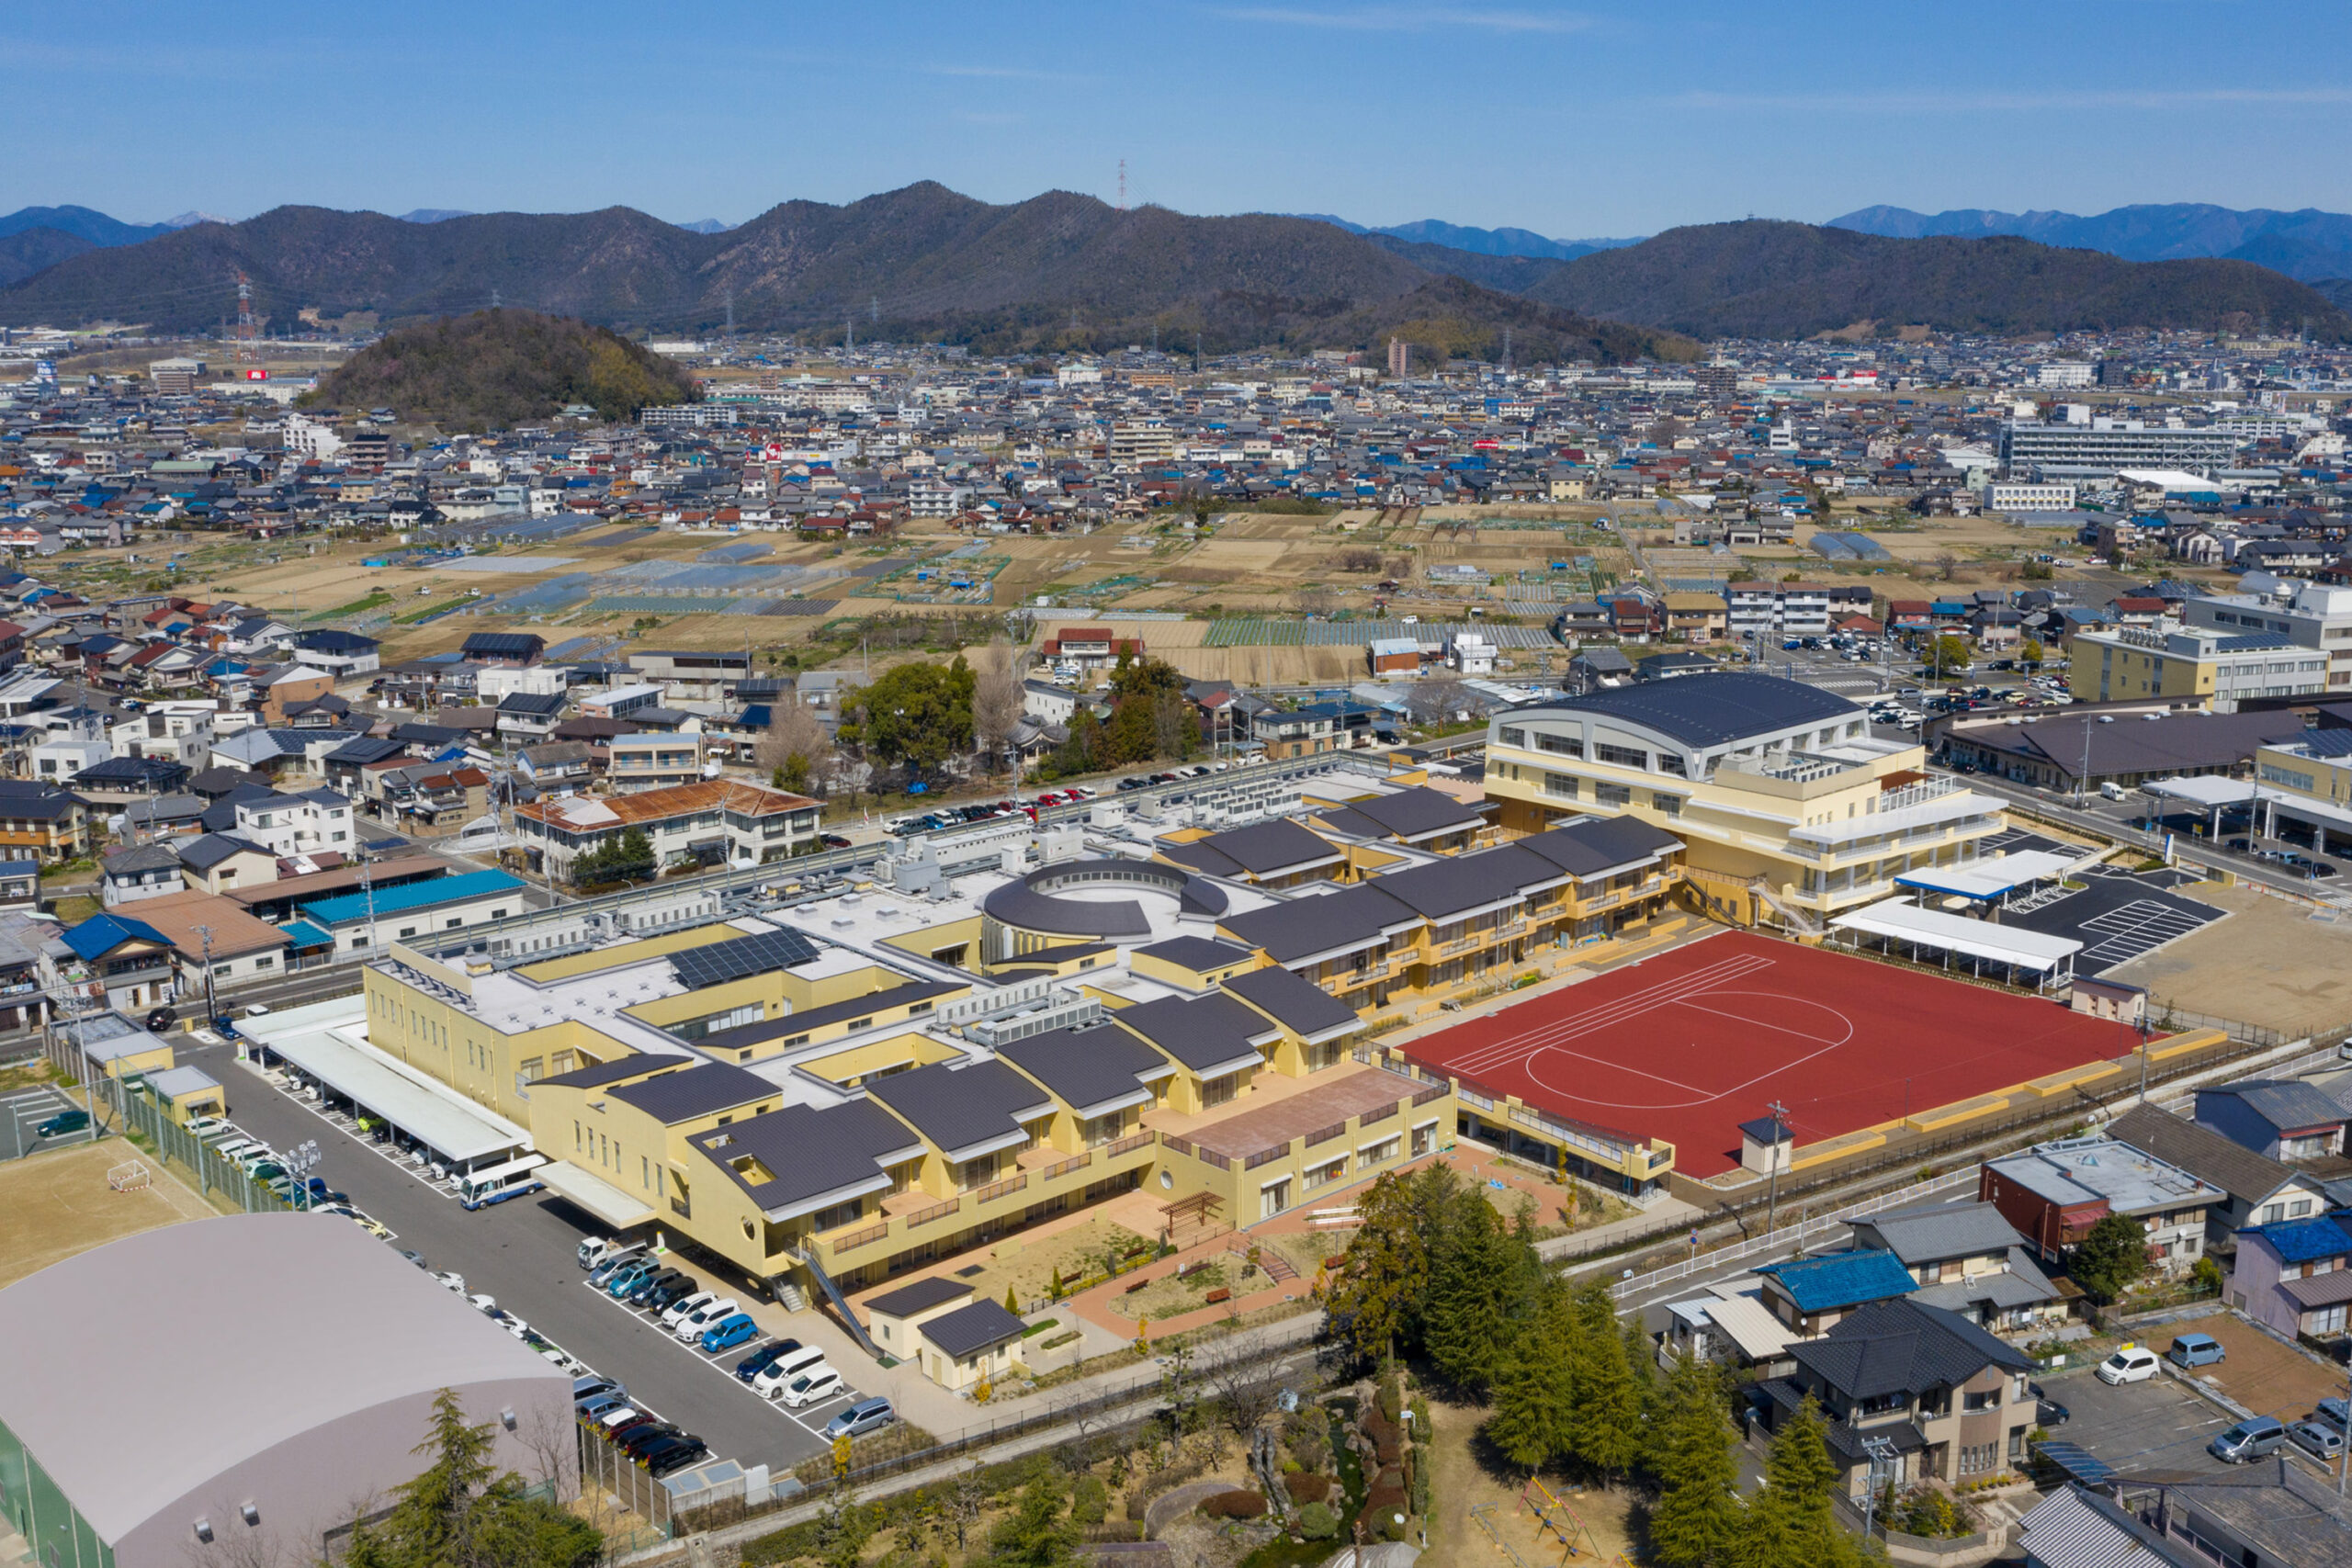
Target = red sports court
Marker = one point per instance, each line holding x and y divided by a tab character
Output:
1687	1045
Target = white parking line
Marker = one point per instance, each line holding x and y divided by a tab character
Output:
822	1411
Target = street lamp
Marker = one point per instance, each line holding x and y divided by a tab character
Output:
300	1161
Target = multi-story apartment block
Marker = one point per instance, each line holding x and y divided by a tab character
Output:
1789	806
2308	614
2123	662
717	821
2101	448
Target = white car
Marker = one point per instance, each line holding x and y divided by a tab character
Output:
259	1010
451	1282
687	1306
772	1383
814	1386
689	1328
2133	1365
483	1303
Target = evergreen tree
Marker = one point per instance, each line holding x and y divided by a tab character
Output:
1033	1534
1789	1522
1535	1399
1607	1430
460	1514
1376	1300
1482	1279
1697	1516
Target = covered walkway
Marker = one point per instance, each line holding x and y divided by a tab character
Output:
2215	795
1988	881
327	1042
1930	936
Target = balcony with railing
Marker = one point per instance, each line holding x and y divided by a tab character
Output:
1128	1145
983	1196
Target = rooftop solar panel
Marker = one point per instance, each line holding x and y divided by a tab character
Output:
697	967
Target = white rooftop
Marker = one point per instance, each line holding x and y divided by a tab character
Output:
1957	933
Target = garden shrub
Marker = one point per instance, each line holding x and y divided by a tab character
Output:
1317	1522
1236	1505
1307	1487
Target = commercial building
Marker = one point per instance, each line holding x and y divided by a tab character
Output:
2308	614
1780	793
2079	752
2225	668
2027	495
2099	448
2055	1193
301	1430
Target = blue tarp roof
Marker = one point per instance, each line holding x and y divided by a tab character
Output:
414	895
2303	1241
302	933
103	933
1842	1279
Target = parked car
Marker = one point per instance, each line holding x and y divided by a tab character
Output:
603	1405
2258	1437
625	1278
2317	1439
735	1329
160	1019
65	1122
687	1306
2047	1411
769	1384
2136	1364
588	1385
763	1358
816	1385
711	1313
2335	1413
452	1281
659	1290
640	1439
674	1455
2195	1350
865	1416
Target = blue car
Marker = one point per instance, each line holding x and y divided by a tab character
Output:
627	1275
767	1356
729	1332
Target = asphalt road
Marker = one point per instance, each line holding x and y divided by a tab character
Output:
521	1253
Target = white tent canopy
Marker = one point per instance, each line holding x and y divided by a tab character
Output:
1987	879
2048	958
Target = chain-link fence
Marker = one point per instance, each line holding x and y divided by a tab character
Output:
129	1109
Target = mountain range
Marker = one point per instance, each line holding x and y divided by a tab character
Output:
1066	271
1478	241
2309	244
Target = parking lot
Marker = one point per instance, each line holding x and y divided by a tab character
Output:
2117	917
521	1254
2163	1424
22	1114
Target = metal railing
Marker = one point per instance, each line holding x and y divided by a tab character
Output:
1787	1236
996	1189
1266	1156
1064	1166
937	1212
1128	1145
856	1240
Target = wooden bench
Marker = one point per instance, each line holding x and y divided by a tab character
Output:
1137	1285
1220	1294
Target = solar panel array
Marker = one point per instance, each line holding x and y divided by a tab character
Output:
699	967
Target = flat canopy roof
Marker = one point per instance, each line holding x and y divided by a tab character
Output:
2203	789
1957	933
331	1049
594	1193
1989	878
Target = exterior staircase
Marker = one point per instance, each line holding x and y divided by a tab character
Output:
808	1260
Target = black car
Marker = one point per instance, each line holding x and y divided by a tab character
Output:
763	1358
160	1019
675	1455
637	1439
834	841
663	1299
2048	1411
653	1285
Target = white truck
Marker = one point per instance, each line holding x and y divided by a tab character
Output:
599	1249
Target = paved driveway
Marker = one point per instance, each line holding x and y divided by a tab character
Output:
2156	1425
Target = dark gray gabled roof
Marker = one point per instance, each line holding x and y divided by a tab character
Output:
1445	889
1194	953
2213	1158
918	1296
698	1092
1415	813
1299	929
1211	1035
2287	1104
595	1075
367	748
1707	710
210	850
968	1330
1087	1067
1938	1231
1298	1005
1899	1346
1262	848
959	1108
1596	844
809	1156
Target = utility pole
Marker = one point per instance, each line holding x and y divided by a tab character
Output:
2083	780
210	1010
1772	1202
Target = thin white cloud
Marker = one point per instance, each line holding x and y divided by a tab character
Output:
1000	74
2038	101
1411	19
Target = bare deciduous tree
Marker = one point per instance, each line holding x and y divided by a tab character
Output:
1436	700
1315	600
1947	566
1245	1394
962	1500
1357	558
996	701
795	744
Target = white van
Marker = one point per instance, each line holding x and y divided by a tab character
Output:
2112	790
481	1189
599	1249
772	1383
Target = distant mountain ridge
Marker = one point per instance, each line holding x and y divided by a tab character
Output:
84	223
1062	271
1476	241
2308	244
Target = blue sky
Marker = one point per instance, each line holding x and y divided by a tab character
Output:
1597	119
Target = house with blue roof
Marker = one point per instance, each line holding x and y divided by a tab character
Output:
2292	1277
414	911
1811	1295
130	957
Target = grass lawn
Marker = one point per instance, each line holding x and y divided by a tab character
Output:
1168	1295
75	909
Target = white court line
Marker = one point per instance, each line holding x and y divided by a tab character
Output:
1524	1045
1705	1097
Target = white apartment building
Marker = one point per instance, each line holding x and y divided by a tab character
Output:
1142	441
2064	373
181	732
2306	614
934	498
2026	495
2100	447
308	823
1784	609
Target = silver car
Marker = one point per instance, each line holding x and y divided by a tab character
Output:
2317	1439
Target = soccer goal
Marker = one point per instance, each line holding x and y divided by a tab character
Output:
132	1175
